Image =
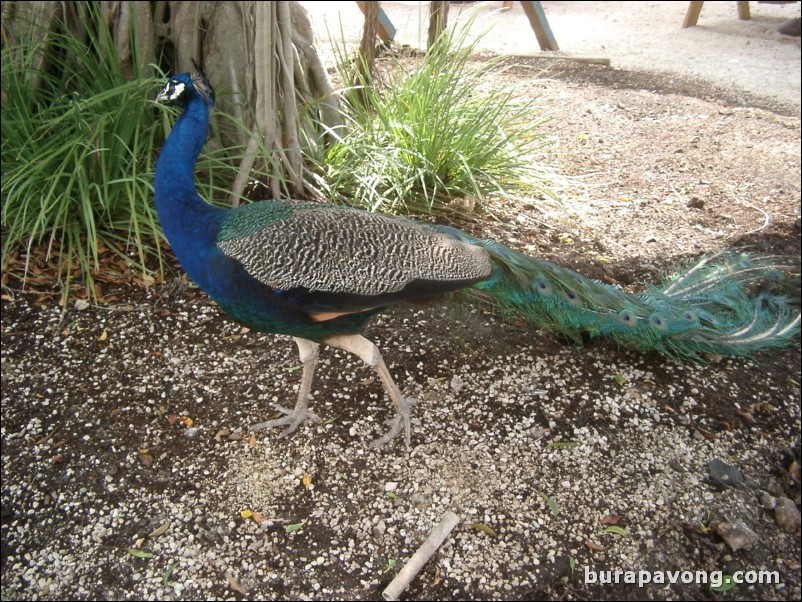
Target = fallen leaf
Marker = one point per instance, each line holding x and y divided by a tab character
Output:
223	433
616	531
104	335
727	583
486	529
763	408
57	444
295	527
235	585
252	441
558	444
140	553
145	458
555	509
187	421
167	572
594	546
246	513
49	435
160	530
612	519
706	434
259	518
307	480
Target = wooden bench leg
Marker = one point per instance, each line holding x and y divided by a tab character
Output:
692	16
695	9
540	25
743	11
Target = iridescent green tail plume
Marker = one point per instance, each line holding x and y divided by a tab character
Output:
730	304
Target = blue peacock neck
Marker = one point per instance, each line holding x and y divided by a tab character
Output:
189	223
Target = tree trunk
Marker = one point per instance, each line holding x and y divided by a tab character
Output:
367	47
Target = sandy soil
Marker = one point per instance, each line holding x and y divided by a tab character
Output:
741	56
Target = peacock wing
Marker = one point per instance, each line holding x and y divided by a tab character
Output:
341	258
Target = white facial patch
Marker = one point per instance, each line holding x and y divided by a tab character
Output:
177	91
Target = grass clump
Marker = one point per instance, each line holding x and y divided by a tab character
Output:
80	140
439	131
78	146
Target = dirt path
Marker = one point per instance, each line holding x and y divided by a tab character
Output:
745	57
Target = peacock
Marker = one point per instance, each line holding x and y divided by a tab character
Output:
319	272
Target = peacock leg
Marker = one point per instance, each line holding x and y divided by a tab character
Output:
308	351
370	354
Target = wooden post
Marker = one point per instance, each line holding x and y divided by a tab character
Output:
540	25
438	19
367	49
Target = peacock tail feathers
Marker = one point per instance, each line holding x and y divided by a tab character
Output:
730	304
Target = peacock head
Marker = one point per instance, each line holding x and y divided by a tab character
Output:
182	88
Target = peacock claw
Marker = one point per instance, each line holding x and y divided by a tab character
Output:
401	420
292	420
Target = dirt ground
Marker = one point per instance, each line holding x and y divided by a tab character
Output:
127	472
744	58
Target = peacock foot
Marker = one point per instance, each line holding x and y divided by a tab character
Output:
292	420
400	421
